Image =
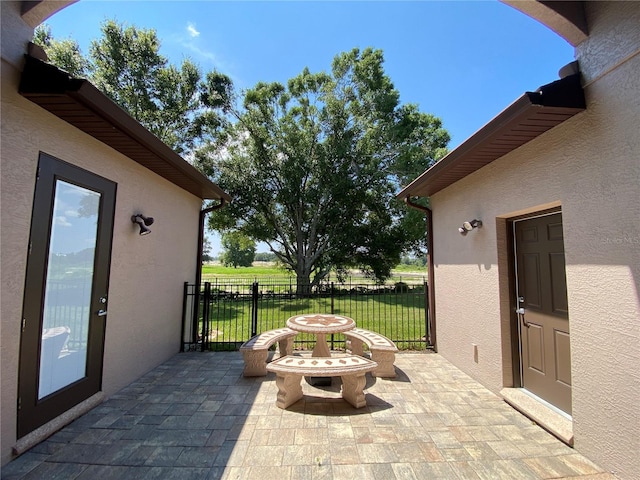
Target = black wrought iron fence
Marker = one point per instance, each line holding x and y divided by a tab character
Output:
68	305
222	316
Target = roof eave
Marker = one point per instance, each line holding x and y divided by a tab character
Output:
66	97
525	119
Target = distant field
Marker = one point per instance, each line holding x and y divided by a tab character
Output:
269	270
259	269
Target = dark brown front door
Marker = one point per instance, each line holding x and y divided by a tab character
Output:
542	309
65	300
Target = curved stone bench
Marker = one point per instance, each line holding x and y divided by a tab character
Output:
383	351
289	371
255	351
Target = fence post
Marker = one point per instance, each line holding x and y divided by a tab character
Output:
332	295
205	315
427	333
254	309
185	292
196	314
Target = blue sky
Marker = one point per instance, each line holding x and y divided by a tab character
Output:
461	61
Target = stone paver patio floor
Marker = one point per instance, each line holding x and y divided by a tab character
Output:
195	416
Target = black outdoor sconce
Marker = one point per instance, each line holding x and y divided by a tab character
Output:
143	222
468	226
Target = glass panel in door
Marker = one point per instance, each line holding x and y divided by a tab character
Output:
69	280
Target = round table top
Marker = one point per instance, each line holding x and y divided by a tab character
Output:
320	323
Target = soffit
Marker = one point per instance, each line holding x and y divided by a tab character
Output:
524	120
79	103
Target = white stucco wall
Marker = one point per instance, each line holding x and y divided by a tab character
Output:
147	273
590	166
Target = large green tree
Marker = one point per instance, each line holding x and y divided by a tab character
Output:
65	54
313	166
125	63
239	249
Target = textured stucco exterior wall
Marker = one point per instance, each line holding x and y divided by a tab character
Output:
147	273
590	166
605	254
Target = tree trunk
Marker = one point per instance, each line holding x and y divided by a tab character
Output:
303	280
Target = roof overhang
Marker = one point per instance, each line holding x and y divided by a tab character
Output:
34	12
566	18
78	102
525	119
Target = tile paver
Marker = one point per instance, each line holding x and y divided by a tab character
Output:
196	416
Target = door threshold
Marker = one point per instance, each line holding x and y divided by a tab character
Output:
555	422
45	431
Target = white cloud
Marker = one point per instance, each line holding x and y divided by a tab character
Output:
62	221
191	28
194	45
200	53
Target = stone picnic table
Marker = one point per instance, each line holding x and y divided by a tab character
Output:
321	325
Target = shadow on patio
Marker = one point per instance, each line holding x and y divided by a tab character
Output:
196	416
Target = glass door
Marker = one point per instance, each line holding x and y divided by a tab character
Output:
65	304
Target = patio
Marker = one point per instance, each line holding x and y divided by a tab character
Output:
195	416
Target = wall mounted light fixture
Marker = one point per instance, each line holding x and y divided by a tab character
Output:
143	222
468	226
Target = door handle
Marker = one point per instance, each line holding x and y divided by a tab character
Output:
102	313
